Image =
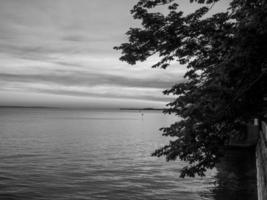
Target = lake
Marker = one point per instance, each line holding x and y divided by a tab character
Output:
84	154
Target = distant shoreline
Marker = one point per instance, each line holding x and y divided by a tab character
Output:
38	107
142	109
78	108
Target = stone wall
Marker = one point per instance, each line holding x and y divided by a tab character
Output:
261	163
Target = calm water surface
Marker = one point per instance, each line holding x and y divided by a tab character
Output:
74	154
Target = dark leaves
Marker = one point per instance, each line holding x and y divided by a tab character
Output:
224	84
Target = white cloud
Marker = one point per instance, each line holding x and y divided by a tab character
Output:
63	49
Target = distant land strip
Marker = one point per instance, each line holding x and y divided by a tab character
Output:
141	109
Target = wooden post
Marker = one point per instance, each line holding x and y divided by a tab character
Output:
261	162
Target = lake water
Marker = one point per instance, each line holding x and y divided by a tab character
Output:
80	154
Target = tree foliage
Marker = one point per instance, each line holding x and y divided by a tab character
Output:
225	55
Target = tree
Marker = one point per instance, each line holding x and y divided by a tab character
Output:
225	55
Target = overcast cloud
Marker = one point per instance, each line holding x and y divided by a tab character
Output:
60	53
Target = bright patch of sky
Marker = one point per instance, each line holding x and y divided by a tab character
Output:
60	53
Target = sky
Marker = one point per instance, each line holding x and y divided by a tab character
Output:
60	53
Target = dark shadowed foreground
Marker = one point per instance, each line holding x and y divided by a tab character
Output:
72	154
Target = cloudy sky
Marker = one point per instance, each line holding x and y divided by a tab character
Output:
60	53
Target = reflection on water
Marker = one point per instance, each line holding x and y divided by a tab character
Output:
92	155
236	177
